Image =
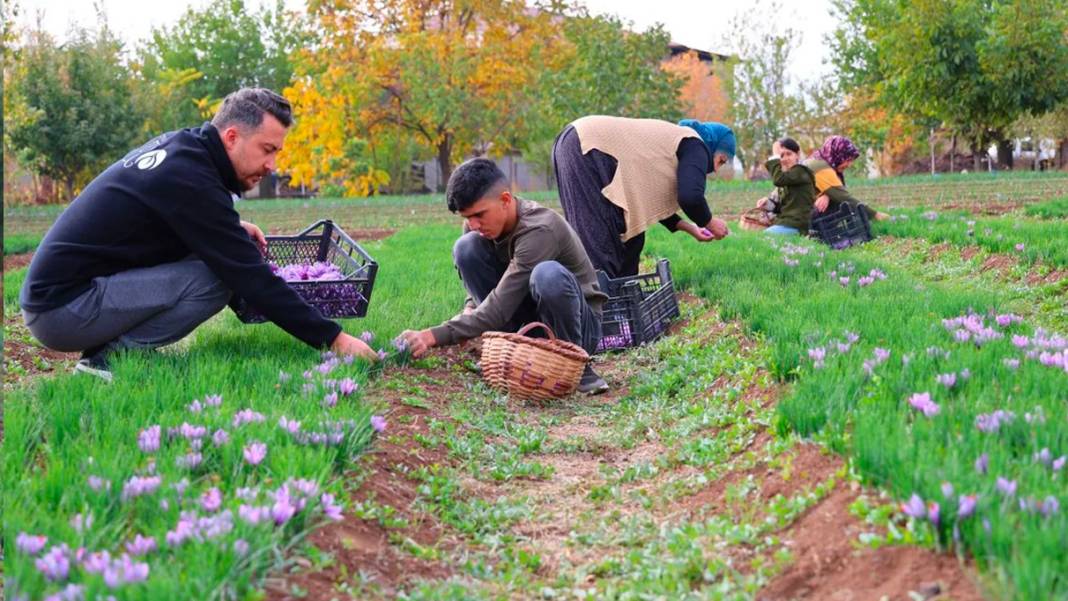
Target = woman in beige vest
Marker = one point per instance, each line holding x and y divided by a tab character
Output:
617	176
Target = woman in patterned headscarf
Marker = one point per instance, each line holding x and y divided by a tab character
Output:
828	164
618	176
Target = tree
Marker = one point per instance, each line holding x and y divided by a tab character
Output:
76	113
702	95
756	83
974	65
454	75
228	46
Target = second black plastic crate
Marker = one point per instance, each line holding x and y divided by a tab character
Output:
322	242
845	227
639	308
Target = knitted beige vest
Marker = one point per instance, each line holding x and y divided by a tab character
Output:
646	182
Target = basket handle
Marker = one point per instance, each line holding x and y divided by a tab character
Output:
536	324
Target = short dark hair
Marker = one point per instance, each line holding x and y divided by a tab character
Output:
470	182
245	108
790	144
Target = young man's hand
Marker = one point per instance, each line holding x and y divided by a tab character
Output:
763	202
345	344
821	203
256	234
419	342
776	148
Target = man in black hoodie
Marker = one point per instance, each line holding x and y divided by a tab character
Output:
153	246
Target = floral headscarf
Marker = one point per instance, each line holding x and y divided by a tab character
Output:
837	150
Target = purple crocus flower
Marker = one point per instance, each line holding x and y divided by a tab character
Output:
283	508
921	401
982	463
933	512
30	544
1019	247
247	416
367	337
54	565
220	437
1058	463
289	425
865	280
1012	364
189	461
211	500
881	354
255	452
1006	487
330	508
213	400
81	522
141	545
125	571
966	506
1050	506
947	490
195	406
347	386
378	423
240	547
965	374
253	514
97	483
1020	341
947	380
844	281
1044	457
330	399
148	439
137	486
914	507
382	354
283	377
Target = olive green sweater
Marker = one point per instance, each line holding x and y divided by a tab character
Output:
540	234
797	193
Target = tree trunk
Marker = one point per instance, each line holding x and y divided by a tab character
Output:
68	185
931	142
1005	148
953	154
977	160
1062	154
445	160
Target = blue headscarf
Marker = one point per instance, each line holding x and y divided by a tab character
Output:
716	136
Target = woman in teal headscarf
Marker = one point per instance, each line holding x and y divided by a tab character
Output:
617	176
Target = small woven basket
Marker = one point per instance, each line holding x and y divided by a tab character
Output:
532	368
755	219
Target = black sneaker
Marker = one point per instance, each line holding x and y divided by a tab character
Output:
95	363
591	383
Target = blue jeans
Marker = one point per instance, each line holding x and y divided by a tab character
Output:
139	308
555	297
783	230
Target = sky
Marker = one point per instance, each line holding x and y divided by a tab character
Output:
696	23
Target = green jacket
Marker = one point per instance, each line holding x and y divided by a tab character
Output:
797	193
828	182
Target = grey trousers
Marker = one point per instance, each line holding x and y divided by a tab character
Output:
555	297
140	308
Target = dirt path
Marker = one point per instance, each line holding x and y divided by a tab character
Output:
654	485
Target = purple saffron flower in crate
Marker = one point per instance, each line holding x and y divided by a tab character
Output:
947	380
966	506
254	453
378	423
1006	487
141	545
921	401
982	463
30	544
914	507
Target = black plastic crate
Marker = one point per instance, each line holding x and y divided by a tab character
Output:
322	242
848	226
639	308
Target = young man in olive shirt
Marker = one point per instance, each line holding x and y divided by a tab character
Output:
520	262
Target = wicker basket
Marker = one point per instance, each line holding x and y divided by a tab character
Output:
755	219
532	368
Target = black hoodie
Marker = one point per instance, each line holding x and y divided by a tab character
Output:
170	198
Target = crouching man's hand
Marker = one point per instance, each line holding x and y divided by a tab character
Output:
418	342
350	345
256	234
